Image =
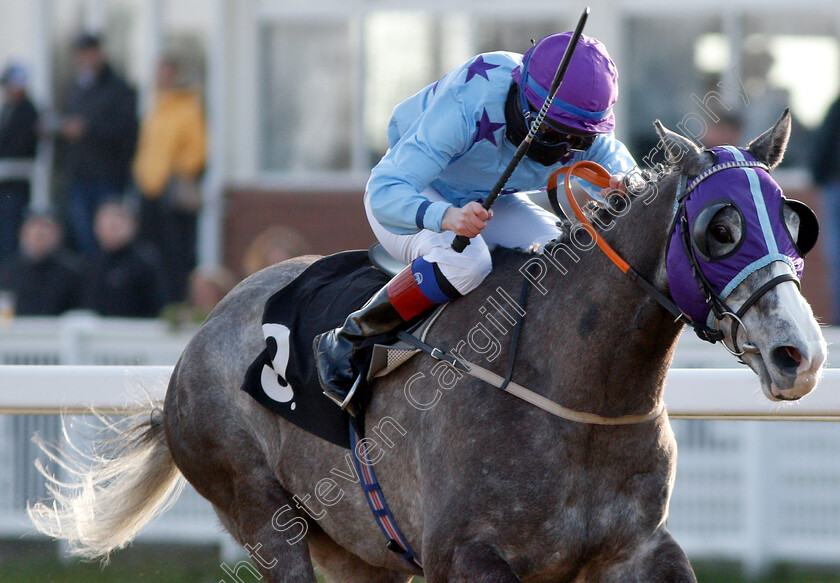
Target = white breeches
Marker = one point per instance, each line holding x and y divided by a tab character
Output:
517	223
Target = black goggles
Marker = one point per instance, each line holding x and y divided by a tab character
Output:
553	136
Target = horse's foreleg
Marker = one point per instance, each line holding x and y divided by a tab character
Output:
660	560
470	562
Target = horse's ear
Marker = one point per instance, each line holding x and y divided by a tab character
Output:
681	152
770	146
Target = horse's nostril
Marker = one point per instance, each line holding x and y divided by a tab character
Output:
786	359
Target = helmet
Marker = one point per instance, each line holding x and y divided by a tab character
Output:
590	88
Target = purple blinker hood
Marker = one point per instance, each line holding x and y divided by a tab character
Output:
765	237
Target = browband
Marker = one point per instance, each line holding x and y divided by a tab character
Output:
724	166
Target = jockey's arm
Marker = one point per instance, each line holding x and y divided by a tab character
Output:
415	160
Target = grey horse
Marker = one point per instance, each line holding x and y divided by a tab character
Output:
487	488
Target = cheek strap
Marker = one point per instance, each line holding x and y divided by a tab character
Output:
754	297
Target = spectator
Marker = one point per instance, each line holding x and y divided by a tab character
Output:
18	140
170	158
209	287
206	289
43	277
100	131
825	169
124	278
273	245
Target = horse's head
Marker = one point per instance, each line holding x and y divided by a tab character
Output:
735	256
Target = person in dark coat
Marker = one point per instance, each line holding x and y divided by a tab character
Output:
99	129
18	141
825	170
125	277
43	276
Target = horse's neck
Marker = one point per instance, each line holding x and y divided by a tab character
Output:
605	341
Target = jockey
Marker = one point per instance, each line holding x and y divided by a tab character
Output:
449	144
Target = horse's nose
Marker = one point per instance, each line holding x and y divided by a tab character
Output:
815	361
787	359
797	367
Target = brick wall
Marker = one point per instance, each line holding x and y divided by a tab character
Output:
330	221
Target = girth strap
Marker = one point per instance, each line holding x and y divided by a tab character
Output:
397	542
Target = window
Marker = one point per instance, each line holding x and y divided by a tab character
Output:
791	60
306	85
775	60
661	72
404	52
400	59
313	76
515	35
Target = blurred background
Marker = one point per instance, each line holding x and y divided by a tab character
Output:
155	152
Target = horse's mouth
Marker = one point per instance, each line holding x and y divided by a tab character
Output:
778	387
776	395
758	366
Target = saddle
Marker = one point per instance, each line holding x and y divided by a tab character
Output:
283	378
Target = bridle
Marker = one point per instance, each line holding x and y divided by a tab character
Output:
719	307
718	304
598	176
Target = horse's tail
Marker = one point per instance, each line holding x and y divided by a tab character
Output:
106	496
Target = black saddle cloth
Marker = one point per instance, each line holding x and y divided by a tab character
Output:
283	378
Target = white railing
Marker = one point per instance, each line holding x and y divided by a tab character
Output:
757	492
690	393
84	338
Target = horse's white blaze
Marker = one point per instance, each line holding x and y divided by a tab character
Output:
805	335
790	323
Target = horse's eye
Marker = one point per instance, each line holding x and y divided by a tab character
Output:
721	234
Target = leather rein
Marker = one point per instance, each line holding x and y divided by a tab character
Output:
599	176
596	174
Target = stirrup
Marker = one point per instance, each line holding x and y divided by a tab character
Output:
345	404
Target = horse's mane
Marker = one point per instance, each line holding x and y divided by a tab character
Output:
598	212
592	210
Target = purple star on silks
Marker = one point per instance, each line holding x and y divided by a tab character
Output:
486	129
479	67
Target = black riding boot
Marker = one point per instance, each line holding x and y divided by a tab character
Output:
400	301
334	349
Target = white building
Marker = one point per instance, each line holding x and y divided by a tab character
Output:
299	91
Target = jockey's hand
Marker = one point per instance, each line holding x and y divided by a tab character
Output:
468	220
616	183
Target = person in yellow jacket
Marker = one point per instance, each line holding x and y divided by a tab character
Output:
170	159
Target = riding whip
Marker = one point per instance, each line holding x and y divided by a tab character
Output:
460	243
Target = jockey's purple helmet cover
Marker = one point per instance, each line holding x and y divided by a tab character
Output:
589	90
765	237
